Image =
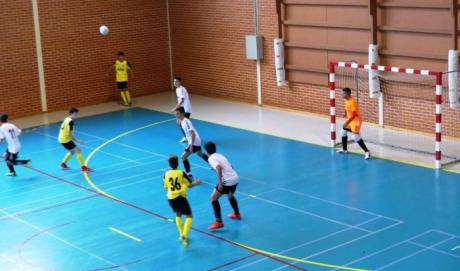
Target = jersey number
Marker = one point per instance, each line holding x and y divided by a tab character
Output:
174	184
12	133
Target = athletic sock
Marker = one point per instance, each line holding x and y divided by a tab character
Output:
128	96
80	159
10	167
187	226
187	166
234	205
179	224
362	145
123	96
217	212
67	157
344	142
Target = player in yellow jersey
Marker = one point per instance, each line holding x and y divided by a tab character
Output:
66	138
352	124
121	68
177	183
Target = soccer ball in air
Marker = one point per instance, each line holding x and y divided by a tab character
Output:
104	30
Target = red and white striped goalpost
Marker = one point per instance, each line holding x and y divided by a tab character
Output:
438	113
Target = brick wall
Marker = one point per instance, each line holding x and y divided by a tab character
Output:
209	48
19	92
77	59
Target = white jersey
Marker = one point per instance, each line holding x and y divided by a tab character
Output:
229	175
182	93
187	126
10	133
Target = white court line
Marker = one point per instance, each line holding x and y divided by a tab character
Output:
387	248
259	194
348	242
312	214
455	248
446	233
54	184
433	249
412	254
307	243
22	221
339	204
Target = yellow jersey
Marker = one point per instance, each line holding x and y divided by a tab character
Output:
351	106
122	68
66	131
176	182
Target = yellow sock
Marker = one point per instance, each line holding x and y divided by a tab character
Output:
179	224
187	226
128	96
80	158
123	96
67	157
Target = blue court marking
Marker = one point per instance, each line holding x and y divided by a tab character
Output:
297	199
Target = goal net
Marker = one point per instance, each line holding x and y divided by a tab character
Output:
411	114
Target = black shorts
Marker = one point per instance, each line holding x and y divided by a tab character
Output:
122	85
227	189
195	149
11	156
69	145
187	115
180	205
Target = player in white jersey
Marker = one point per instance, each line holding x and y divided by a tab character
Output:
193	138
227	181
183	100
11	133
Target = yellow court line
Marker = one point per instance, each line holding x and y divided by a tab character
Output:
125	234
91	183
301	260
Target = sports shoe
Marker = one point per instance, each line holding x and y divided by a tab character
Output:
367	155
216	225
234	216
28	163
64	166
11	174
185	241
342	151
183	140
86	169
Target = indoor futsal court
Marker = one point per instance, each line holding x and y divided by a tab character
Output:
230	135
